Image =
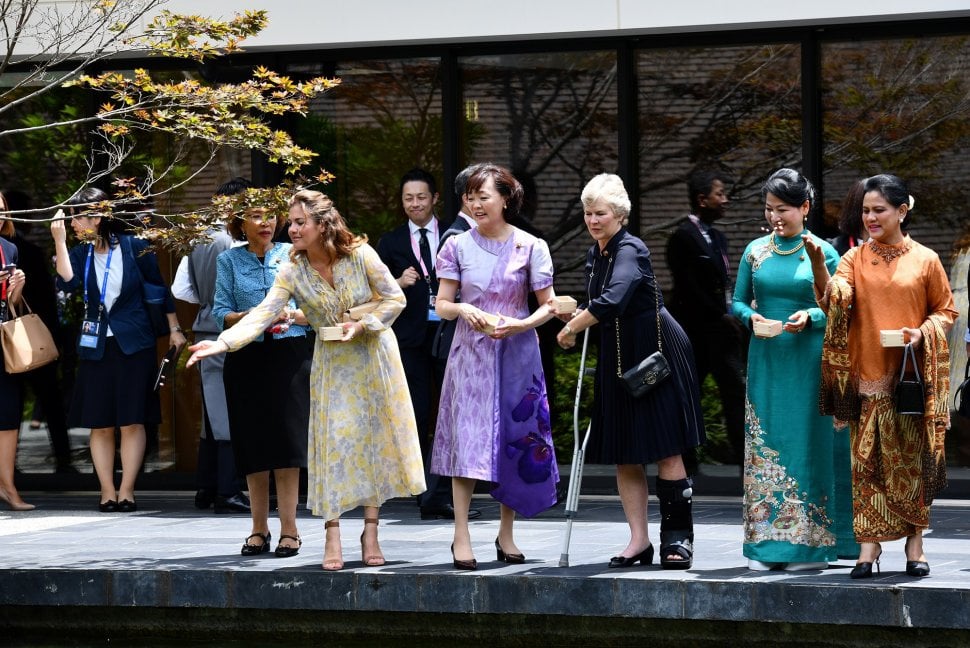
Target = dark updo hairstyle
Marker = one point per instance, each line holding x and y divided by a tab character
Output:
894	190
82	204
791	187
505	183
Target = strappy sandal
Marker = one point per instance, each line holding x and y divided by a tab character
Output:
332	564
373	560
250	549
282	551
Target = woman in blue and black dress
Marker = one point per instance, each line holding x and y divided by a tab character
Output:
117	345
663	426
267	382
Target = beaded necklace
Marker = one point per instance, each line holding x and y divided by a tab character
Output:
774	247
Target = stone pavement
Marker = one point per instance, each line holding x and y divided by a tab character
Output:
65	558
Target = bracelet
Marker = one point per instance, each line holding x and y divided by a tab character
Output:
176	328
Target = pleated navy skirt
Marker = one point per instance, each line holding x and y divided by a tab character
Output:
118	389
668	420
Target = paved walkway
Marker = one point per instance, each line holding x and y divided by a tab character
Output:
169	555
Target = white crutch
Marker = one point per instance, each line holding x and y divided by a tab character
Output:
579	453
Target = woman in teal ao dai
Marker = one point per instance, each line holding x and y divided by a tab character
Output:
797	497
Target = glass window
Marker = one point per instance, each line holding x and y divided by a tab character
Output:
381	121
551	119
734	108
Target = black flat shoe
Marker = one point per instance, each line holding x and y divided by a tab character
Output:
645	557
254	549
204	499
127	506
512	559
282	551
110	506
469	565
864	569
918	568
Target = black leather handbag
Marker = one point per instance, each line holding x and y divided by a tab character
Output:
649	372
909	393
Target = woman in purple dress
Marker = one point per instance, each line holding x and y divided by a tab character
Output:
494	418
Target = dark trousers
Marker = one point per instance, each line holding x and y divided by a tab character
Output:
425	374
719	350
215	469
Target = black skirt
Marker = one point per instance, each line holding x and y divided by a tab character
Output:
11	399
268	400
116	390
667	421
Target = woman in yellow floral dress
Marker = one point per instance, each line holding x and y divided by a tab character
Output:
363	442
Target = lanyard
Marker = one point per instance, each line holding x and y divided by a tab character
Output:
3	286
415	247
104	282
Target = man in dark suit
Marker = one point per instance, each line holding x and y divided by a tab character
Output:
409	253
697	257
441	345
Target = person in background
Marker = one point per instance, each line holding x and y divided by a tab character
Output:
116	345
216	479
12	281
698	262
891	283
267	386
409	252
794	517
852	232
441	346
39	294
665	425
363	442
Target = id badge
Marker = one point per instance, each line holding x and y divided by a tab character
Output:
432	314
89	333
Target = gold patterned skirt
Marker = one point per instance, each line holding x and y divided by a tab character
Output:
888	489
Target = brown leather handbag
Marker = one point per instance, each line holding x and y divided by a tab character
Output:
26	342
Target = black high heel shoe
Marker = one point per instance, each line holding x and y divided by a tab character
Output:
917	568
511	558
645	557
864	569
470	565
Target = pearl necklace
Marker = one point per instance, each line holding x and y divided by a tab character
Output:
774	247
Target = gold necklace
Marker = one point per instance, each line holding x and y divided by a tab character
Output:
774	247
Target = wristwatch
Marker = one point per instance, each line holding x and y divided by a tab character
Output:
568	329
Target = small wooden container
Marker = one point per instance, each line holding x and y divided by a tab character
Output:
564	305
358	313
767	328
331	333
491	322
892	338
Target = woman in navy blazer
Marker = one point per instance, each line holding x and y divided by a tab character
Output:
116	347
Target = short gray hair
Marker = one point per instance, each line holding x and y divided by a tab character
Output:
609	188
